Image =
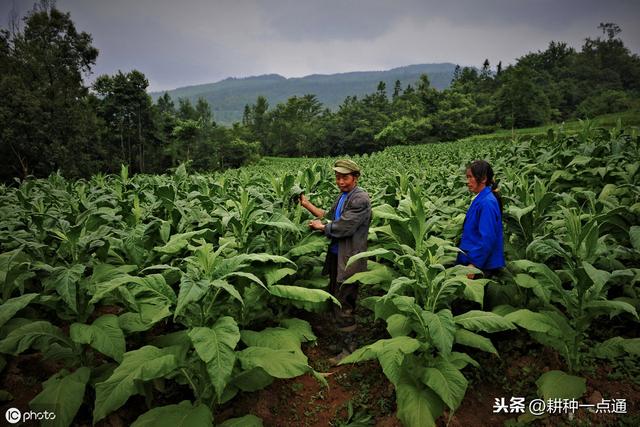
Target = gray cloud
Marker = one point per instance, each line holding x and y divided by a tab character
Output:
198	41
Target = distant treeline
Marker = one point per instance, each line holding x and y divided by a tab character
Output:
50	121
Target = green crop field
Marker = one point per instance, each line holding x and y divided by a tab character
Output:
172	299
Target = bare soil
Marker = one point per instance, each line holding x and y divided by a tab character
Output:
304	401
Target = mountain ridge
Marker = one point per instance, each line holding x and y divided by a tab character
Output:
228	97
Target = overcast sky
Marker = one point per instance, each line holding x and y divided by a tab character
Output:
184	42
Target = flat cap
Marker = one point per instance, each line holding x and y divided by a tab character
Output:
346	166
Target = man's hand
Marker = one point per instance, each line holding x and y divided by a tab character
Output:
305	203
316	224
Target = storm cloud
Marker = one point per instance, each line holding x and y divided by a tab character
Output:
196	41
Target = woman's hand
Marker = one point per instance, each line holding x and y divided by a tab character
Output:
316	224
471	275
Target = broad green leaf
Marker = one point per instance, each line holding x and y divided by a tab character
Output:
280	222
418	406
634	236
145	364
559	385
503	309
246	421
14	266
391	355
397	285
302	294
65	281
387	212
266	258
275	338
398	325
404	344
631	346
301	328
312	246
178	242
147	316
532	321
447	381
156	285
471	339
184	414
474	291
37	334
598	277
104	334
441	329
10	307
609	349
215	346
406	304
518	213
244	274
612	307
63	394
580	161
378	275
190	291
461	360
106	272
368	352
367	254
252	380
277	363
484	321
274	274
100	290
178	338
228	287
530	282
546	276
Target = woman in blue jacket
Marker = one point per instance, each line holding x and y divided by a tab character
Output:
482	240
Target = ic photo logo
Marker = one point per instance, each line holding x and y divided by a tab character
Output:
14	416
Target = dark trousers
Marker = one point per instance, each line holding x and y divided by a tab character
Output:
346	294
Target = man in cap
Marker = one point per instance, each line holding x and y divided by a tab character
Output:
348	228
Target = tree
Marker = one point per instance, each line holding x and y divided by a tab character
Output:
428	96
257	122
165	104
485	72
186	110
203	112
126	109
397	88
520	101
610	29
296	126
46	119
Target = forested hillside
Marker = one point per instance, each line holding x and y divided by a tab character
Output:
50	120
228	97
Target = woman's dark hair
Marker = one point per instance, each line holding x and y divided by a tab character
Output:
481	169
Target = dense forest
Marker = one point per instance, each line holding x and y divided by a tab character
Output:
50	120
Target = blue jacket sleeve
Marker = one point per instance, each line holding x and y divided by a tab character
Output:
489	228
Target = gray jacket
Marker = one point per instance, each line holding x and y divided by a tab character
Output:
351	231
